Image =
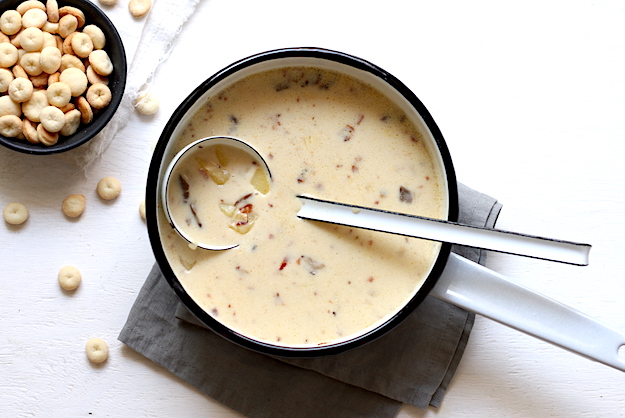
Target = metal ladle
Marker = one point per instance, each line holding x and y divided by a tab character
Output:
391	222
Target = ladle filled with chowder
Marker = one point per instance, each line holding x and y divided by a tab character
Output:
336	127
212	183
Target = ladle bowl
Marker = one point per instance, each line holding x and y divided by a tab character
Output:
182	158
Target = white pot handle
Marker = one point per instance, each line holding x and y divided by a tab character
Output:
475	288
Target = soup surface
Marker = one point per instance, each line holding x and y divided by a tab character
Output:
297	282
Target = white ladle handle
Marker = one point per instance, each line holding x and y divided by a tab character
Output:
444	231
480	290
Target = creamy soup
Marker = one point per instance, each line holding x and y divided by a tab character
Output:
297	282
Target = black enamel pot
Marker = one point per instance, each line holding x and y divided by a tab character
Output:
451	278
323	58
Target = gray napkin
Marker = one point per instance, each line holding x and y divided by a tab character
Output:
414	363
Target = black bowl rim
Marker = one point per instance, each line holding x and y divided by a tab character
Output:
86	132
152	202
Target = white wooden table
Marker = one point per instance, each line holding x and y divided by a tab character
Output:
531	100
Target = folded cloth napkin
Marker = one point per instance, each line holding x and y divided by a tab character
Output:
414	363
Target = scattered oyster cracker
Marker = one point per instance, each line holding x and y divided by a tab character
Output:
15	213
69	277
74	205
109	188
147	103
97	350
139	8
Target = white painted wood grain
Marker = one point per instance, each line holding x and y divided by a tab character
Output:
530	98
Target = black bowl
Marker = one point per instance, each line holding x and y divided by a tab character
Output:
189	105
117	82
